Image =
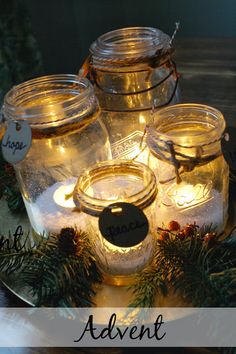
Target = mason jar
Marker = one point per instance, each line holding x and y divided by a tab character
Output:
133	73
67	137
185	154
119	196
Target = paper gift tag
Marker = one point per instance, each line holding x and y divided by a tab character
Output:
123	224
228	145
16	141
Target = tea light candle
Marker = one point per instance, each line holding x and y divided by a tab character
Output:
52	211
63	196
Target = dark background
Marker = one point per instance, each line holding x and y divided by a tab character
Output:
64	29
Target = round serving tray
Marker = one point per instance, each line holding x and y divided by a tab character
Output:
106	295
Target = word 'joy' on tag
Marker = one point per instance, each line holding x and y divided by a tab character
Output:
228	145
16	141
123	224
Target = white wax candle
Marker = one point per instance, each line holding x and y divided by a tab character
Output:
51	211
63	196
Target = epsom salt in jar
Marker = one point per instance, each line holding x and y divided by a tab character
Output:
185	154
117	199
62	114
133	71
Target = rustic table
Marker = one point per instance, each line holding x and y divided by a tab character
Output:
208	76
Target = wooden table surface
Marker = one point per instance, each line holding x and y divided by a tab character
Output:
208	76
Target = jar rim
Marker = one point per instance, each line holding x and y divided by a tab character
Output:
94	206
200	137
130	42
16	101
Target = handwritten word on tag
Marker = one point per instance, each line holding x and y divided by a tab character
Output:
123	224
16	141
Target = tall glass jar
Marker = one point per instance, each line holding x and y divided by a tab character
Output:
67	137
116	182
132	71
185	154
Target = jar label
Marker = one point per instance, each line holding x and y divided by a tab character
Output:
186	196
16	141
123	224
228	145
128	146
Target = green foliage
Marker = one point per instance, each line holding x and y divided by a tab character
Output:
9	188
147	284
55	275
202	272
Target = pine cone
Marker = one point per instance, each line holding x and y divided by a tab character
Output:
68	241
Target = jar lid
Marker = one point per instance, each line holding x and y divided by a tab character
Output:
115	181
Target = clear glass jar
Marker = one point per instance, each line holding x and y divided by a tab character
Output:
67	137
185	154
133	72
112	182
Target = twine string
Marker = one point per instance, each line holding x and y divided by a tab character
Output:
166	151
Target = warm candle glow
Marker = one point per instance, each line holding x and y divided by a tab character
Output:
63	196
140	154
187	195
113	248
142	119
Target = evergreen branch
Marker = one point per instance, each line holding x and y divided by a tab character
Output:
198	266
148	283
60	269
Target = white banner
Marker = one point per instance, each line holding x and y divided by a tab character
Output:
117	327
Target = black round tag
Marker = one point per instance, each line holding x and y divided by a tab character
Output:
123	224
228	145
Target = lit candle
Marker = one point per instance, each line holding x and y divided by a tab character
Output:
63	196
53	209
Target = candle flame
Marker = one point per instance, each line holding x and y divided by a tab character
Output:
63	196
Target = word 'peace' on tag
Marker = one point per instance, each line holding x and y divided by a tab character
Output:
123	224
16	141
228	146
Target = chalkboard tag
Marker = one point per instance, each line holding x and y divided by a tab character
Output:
123	224
228	145
16	141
